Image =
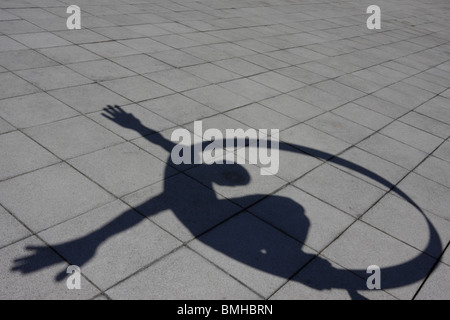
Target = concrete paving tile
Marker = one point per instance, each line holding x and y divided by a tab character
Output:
260	117
177	58
428	194
11	86
177	80
278	82
340	90
212	73
446	257
291	107
24	59
21	155
101	70
178	109
250	89
403	265
81	36
443	152
240	66
88	98
313	141
436	109
207	53
17	27
5	127
349	194
51	195
34	278
437	285
183	275
110	49
410	98
121	169
40	40
187	218
393	151
55	77
11	229
302	75
400	219
266	61
382	106
69	54
319	98
148	30
73	137
427	124
414	137
340	127
360	84
141	63
8	44
106	243
145	45
325	280
363	116
303	217
217	98
253	252
117	33
137	88
35	109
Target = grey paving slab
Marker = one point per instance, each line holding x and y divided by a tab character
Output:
183	275
436	109
435	169
11	229
446	257
278	82
443	152
340	127
122	169
301	74
5	126
177	58
88	98
266	61
428	194
303	217
35	109
292	107
55	77
319	98
177	80
73	137
437	285
412	136
40	40
101	70
51	195
411	98
21	155
24	59
358	83
178	109
350	194
427	124
363	116
260	117
400	219
137	88
377	248
325	280
17	27
250	89
241	67
8	44
117	33
381	106
313	141
393	151
340	90
186	218
11	86
81	36
141	63
106	243
217	98
34	278
212	73
145	45
109	49
69	54
253	252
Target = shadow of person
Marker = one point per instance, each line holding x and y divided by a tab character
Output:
249	241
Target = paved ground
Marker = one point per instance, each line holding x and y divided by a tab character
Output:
364	176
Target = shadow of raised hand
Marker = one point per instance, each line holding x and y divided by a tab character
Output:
122	118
